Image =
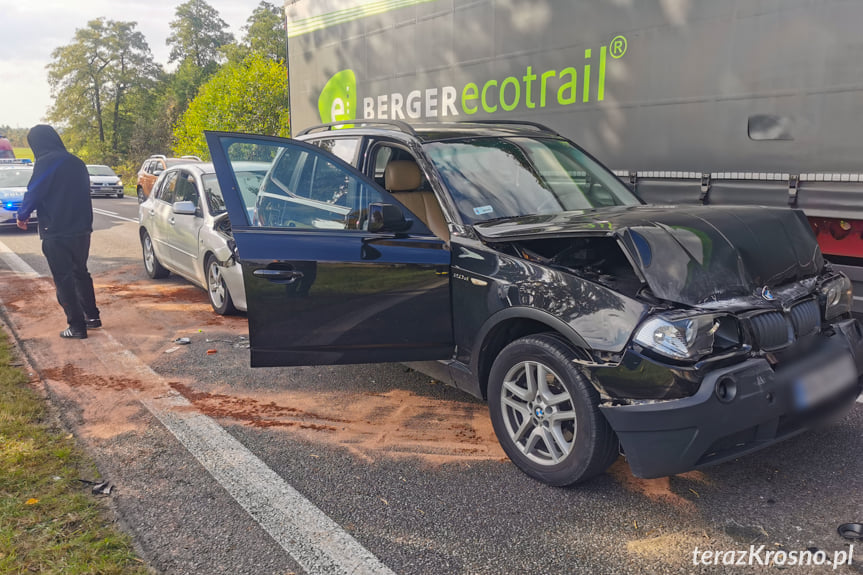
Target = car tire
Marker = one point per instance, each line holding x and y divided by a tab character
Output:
119	195
553	432
154	267
217	289
140	193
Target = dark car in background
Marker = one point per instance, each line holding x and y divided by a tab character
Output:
504	259
104	181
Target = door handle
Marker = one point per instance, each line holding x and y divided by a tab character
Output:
278	276
171	221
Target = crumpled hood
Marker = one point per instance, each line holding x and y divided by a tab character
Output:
690	254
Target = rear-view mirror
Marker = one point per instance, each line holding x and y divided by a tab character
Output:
185	208
387	218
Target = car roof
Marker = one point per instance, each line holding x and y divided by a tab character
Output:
204	168
431	132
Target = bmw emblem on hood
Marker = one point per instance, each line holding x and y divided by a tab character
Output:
767	294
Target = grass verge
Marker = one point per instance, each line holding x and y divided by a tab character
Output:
49	521
23	153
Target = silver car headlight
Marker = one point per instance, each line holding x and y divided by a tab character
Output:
837	297
688	337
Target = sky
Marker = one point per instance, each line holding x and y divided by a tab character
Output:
31	29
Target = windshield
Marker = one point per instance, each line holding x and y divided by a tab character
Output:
100	171
15	177
493	178
249	181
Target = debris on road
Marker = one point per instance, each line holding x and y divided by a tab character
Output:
183	340
103	488
851	531
212	351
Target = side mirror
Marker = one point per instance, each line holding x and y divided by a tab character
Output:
184	208
158	172
387	218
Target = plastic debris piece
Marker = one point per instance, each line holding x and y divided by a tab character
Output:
31	501
183	340
851	531
212	351
103	488
172	349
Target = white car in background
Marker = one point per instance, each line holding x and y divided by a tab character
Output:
104	182
184	229
14	177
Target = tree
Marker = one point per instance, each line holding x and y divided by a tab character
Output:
197	34
266	33
92	80
249	96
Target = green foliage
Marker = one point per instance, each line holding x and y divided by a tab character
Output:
16	136
265	32
197	33
93	81
249	96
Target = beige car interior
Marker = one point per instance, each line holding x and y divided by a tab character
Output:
403	179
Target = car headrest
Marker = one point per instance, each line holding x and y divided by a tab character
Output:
402	175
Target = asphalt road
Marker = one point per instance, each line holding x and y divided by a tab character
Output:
220	468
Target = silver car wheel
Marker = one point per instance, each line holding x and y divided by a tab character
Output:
149	254
215	284
538	413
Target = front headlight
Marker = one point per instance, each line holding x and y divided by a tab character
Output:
688	337
837	297
119	183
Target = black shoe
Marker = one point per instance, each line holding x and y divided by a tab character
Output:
93	323
70	333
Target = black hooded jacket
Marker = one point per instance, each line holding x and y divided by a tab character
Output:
59	189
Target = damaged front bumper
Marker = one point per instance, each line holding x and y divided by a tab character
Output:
741	408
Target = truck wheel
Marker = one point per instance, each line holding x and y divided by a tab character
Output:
220	298
151	263
545	414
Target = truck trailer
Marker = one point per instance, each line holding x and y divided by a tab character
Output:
690	102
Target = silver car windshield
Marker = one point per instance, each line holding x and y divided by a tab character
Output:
15	177
493	178
100	171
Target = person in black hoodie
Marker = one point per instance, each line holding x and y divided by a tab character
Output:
59	191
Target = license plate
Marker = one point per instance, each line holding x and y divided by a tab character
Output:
824	383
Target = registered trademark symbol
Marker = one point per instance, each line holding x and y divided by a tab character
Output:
618	47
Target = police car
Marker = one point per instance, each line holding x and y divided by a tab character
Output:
14	176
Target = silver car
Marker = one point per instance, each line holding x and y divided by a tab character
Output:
104	181
184	229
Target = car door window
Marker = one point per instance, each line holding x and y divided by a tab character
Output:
307	188
186	190
342	148
166	191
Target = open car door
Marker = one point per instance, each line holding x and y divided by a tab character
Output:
335	269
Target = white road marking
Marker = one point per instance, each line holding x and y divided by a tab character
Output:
316	542
18	265
113	215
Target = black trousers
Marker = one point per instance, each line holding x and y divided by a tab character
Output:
67	258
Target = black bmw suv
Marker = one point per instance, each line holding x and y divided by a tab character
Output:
504	259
